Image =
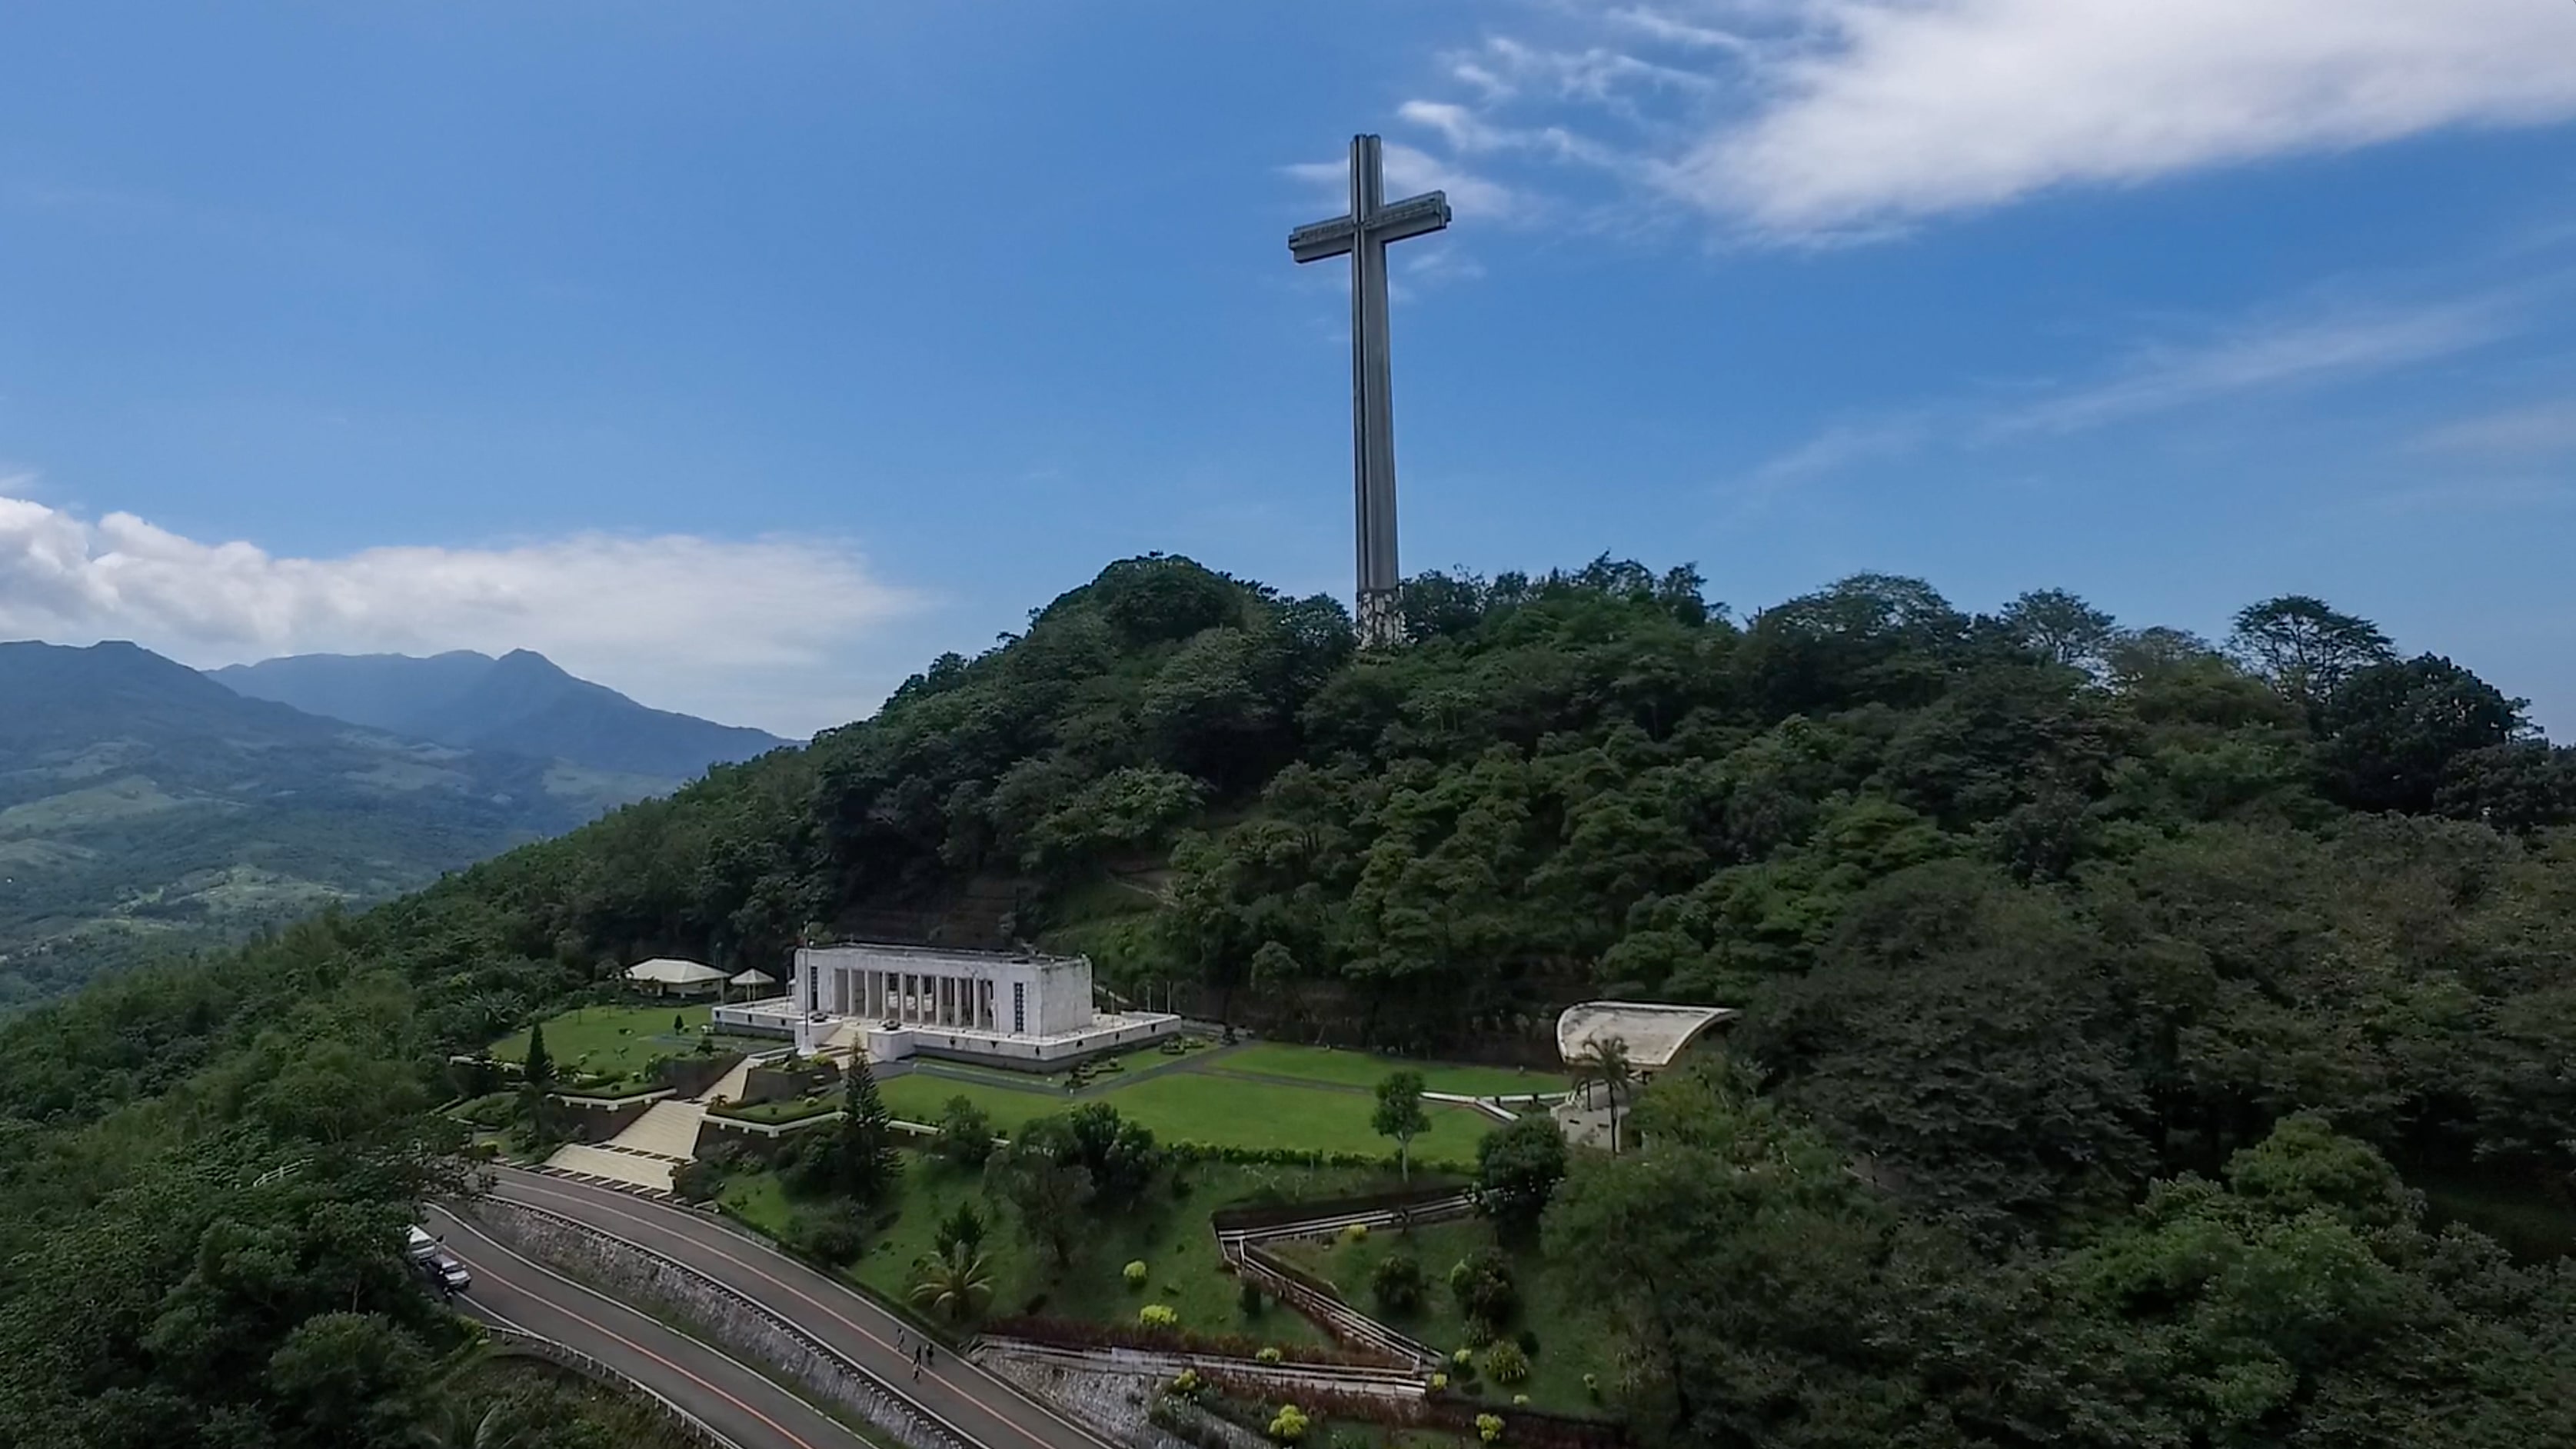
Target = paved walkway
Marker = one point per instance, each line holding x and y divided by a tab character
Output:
991	1412
727	1395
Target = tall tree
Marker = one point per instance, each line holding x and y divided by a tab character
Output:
537	1078
1604	1062
2392	731
869	1164
1047	1194
2062	628
1517	1170
2305	648
1399	1115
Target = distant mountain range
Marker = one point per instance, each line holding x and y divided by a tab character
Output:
143	805
521	703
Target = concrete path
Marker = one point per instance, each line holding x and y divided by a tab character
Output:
728	1088
991	1412
727	1395
651	1148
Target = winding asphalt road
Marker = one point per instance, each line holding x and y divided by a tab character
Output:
733	1399
992	1413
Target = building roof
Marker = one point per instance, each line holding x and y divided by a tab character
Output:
956	954
671	971
754	978
1655	1031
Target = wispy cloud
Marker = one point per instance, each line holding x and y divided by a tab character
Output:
745	631
2544	429
1796	120
2314	345
2260	357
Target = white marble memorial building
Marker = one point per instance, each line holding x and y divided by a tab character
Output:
1005	1008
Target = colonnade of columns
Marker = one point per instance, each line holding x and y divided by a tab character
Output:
916	999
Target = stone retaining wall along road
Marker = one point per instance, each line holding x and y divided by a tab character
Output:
718	1314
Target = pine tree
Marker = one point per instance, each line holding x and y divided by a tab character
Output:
538	1070
537	1073
869	1167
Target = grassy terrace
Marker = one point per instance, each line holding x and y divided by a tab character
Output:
1333	1067
615	1040
1194	1105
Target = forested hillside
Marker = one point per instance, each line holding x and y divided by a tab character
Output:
2107	988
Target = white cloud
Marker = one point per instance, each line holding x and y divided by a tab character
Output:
1797	119
745	632
1911	109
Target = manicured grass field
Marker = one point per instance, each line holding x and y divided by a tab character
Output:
1571	1341
1202	1107
617	1040
1364	1069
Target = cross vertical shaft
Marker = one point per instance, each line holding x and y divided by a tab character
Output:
1364	234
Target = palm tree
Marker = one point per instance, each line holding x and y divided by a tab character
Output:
1604	1059
955	1285
458	1423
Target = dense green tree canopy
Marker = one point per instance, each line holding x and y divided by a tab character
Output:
2102	988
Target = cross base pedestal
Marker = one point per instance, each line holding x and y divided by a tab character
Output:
1381	622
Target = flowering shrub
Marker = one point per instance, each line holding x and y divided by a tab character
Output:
1439	1382
1464	1358
1268	1354
1520	1401
1288	1425
1159	1315
1355	1233
1136	1274
1489	1427
1187	1382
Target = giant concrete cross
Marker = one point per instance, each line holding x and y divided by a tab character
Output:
1363	234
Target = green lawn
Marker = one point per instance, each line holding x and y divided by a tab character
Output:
1169	1234
616	1040
1571	1343
1365	1069
1198	1107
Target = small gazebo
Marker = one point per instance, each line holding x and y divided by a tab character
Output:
670	976
749	984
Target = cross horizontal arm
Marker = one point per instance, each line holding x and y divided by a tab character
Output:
1317	240
1411	217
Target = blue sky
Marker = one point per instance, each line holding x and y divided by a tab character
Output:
743	357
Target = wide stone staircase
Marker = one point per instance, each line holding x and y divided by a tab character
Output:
646	1153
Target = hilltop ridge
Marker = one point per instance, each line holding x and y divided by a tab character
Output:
521	702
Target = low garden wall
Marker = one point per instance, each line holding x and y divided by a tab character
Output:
596	1119
690	1075
1257	1217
